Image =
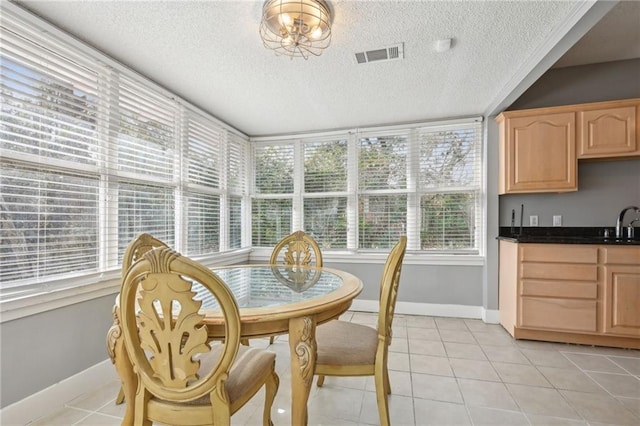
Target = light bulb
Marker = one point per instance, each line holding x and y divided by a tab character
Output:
285	20
317	33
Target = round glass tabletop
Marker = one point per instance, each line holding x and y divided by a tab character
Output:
258	286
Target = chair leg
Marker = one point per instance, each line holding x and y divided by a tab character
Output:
382	399
271	389
244	342
271	339
120	397
387	383
320	381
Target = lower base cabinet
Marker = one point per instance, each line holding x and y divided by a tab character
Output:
575	293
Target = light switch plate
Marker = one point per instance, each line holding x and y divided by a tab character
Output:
533	220
557	220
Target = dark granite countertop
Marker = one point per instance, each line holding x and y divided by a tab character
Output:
564	235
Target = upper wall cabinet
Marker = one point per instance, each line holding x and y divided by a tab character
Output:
540	148
608	132
537	153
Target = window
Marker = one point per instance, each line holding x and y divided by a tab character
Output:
361	190
325	191
272	205
93	155
449	185
382	196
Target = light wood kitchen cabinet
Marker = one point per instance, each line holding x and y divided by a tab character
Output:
537	153
621	275
578	293
608	132
539	148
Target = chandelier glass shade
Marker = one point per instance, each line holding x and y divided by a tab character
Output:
296	28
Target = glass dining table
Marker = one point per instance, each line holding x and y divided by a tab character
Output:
279	299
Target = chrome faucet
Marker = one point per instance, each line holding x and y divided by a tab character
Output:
619	232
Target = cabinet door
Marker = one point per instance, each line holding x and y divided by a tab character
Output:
539	154
622	299
607	132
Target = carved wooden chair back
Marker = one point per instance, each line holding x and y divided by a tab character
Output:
389	289
138	247
134	251
181	380
299	248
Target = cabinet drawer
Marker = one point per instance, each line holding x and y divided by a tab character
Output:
559	271
558	314
621	255
569	289
559	253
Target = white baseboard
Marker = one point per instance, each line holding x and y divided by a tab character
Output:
433	309
491	316
56	396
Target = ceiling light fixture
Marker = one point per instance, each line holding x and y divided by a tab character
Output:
296	28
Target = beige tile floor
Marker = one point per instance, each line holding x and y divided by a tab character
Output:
444	371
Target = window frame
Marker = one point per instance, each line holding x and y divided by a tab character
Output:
412	189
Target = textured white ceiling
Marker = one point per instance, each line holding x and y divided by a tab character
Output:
210	53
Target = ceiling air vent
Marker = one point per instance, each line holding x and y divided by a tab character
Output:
390	53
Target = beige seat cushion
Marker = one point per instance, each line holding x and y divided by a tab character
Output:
248	369
346	343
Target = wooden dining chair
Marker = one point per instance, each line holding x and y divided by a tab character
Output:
183	379
134	251
298	248
350	349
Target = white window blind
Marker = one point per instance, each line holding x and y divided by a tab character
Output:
203	226
271	219
325	166
237	157
145	127
49	223
145	151
273	169
272	204
235	222
382	199
449	184
49	215
145	208
325	219
325	191
204	142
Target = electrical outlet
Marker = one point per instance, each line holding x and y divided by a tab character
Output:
557	220
533	220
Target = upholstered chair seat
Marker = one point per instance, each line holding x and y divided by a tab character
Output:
346	343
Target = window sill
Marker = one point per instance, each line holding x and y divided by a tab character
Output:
262	255
48	296
20	302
